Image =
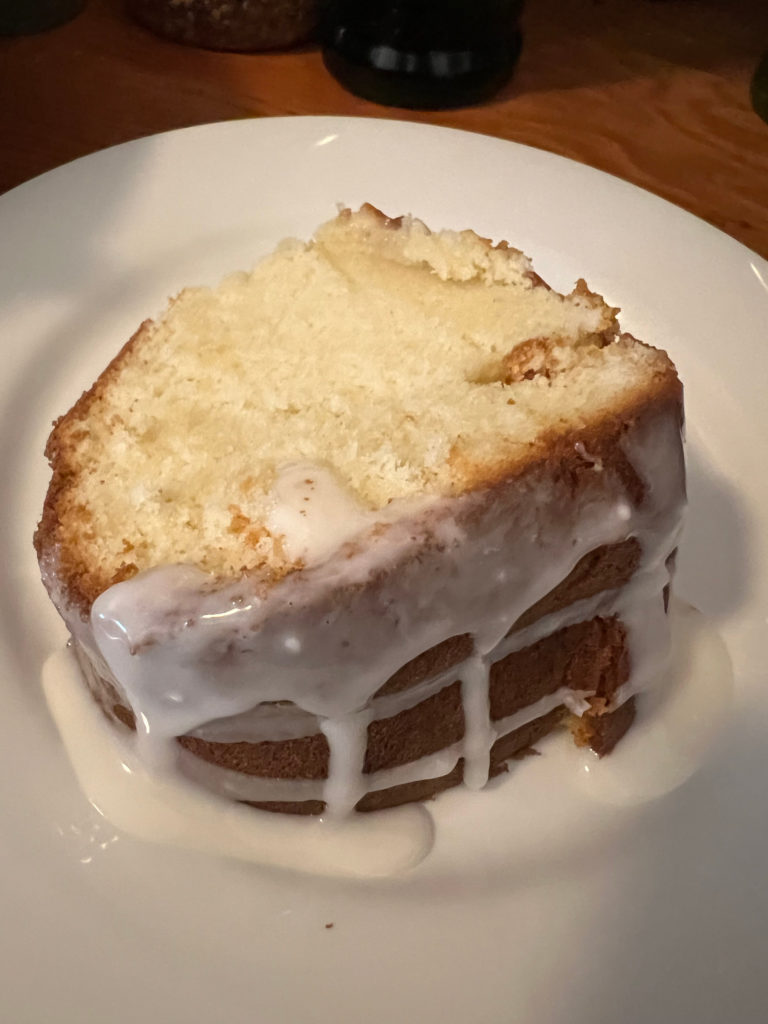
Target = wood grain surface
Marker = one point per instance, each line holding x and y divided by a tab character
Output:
654	92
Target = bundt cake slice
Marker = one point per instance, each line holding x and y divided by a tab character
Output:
368	520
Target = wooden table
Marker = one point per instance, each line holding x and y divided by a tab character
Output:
654	92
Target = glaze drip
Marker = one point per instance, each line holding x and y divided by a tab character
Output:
679	723
384	587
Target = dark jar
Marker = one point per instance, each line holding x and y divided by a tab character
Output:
423	54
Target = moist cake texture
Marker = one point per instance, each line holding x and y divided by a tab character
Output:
369	520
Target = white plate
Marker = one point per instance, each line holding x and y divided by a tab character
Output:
665	918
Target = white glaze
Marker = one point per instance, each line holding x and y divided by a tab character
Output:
238	786
313	514
185	654
162	807
478	731
676	727
636	601
678	719
347	737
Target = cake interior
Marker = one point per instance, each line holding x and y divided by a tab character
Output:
406	364
368	520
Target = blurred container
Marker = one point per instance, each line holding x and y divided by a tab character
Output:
23	17
427	54
244	25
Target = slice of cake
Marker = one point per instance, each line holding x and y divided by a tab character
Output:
368	521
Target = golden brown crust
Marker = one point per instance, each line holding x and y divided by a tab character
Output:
602	731
437	659
605	568
588	655
556	454
58	550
